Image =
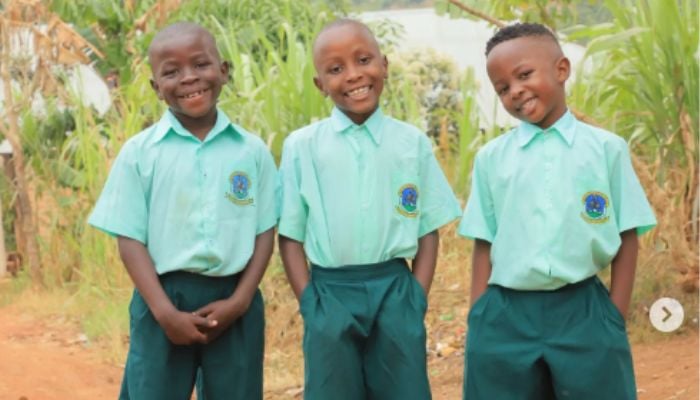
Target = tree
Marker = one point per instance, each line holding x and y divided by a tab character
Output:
34	46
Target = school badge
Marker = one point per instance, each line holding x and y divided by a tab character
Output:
239	189
408	201
595	207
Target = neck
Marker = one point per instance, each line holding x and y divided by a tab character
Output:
199	126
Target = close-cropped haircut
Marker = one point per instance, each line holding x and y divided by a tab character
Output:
519	30
342	22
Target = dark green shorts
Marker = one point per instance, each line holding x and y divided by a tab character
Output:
231	365
568	343
364	335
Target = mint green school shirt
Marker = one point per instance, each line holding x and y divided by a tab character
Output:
196	205
361	194
553	203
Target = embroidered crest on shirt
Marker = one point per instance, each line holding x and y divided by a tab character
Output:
595	207
239	189
408	201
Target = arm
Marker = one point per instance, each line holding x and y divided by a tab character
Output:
426	259
225	312
295	265
182	328
481	269
623	268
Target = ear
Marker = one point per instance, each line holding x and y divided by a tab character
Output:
319	85
155	87
385	64
563	68
226	71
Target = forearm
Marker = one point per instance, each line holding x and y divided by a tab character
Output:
426	259
140	267
295	266
254	271
623	268
481	269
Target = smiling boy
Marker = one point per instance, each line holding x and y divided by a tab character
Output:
553	202
191	200
362	192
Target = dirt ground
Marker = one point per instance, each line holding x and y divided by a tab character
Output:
49	359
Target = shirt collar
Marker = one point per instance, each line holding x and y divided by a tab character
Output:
169	123
565	126
373	124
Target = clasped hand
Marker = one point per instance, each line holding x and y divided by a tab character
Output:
203	325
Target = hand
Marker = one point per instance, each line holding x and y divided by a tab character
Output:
423	285
220	314
622	309
183	328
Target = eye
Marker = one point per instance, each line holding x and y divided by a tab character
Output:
525	74
335	69
169	73
365	60
203	64
502	90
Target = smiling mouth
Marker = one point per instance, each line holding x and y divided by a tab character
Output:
525	104
359	91
193	94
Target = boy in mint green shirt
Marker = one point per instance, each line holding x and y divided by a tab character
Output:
362	192
553	202
191	200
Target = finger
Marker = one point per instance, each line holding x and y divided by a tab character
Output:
203	312
200	321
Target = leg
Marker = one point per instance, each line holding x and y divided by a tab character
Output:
232	365
332	342
155	368
503	357
590	356
395	357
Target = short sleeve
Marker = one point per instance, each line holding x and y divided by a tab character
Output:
479	220
268	193
121	209
293	210
632	209
439	205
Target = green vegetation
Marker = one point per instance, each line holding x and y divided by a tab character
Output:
640	79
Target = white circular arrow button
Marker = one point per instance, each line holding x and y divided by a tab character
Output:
666	314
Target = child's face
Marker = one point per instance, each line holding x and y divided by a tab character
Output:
351	69
528	74
188	74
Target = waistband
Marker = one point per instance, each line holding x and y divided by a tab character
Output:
195	278
566	288
359	272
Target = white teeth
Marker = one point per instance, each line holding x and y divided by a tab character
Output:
191	95
358	91
525	104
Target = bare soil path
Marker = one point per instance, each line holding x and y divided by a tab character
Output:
48	359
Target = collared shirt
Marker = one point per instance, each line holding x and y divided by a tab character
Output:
361	194
553	203
196	205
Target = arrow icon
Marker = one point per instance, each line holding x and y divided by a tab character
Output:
668	314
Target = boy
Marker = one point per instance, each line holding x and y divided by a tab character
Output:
191	201
553	202
361	193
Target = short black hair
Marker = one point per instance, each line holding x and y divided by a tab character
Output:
519	30
343	22
182	27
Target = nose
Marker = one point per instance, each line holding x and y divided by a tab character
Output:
189	75
516	91
353	73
